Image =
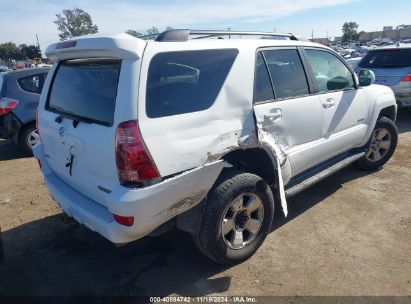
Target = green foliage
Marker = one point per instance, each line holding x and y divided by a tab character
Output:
9	51
350	33
74	22
152	31
29	51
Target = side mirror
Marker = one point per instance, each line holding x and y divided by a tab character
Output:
366	78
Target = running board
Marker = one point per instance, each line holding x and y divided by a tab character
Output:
324	170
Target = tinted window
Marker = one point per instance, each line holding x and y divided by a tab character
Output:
32	83
329	71
287	73
262	83
86	88
2	84
391	58
184	82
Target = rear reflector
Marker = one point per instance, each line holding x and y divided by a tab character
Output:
7	104
407	77
134	163
124	220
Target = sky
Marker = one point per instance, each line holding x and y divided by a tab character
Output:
20	21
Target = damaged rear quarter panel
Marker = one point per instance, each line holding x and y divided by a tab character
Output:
154	205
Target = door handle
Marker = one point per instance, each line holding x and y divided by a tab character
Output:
273	115
329	102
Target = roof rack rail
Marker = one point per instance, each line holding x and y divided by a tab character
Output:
181	35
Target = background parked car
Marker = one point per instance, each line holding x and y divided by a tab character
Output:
19	96
392	67
353	62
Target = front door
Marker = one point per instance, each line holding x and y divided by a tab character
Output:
345	108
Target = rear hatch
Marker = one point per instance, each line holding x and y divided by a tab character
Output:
84	100
389	65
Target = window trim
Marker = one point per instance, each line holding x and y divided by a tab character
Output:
41	82
304	64
316	92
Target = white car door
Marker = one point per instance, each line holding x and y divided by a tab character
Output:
284	107
344	106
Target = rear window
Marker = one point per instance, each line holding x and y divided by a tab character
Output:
32	83
86	89
390	58
186	81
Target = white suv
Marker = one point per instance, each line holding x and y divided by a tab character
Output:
203	134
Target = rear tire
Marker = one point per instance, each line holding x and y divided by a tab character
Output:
381	145
238	217
29	137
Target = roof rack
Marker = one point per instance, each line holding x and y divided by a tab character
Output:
181	35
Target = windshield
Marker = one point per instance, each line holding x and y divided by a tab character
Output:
86	88
389	58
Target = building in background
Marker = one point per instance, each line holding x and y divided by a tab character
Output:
388	33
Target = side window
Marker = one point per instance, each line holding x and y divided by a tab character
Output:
262	83
329	72
186	81
287	73
32	84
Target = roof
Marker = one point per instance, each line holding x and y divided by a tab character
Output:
127	46
27	70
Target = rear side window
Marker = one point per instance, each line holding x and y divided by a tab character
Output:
86	88
263	89
32	83
287	73
186	81
390	58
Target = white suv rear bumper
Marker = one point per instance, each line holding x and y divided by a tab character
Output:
151	206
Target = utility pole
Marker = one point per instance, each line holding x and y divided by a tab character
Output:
38	44
312	34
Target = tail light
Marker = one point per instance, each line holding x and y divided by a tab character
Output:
134	163
124	220
6	105
407	77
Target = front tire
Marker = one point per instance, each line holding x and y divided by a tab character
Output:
238	217
381	145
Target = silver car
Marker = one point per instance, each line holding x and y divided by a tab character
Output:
392	67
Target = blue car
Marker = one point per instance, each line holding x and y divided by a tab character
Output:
19	97
392	67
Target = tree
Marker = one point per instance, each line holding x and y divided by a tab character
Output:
75	22
152	31
350	33
29	51
134	33
9	51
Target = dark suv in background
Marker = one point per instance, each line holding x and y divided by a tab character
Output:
392	67
19	96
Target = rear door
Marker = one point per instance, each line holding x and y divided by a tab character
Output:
77	125
27	89
285	108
